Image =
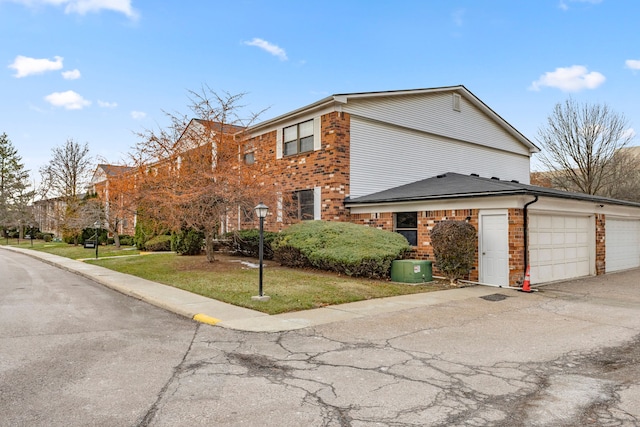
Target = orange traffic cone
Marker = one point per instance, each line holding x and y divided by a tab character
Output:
526	285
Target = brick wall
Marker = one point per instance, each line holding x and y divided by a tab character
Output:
516	246
327	168
426	221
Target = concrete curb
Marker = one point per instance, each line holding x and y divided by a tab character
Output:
213	312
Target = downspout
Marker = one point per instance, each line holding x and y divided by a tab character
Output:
526	235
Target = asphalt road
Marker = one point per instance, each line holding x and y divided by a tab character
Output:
74	353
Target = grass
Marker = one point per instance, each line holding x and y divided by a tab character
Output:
229	280
70	251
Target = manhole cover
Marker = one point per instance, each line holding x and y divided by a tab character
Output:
494	297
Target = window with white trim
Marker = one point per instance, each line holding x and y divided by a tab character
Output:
303	205
298	138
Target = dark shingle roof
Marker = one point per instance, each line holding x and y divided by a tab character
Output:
454	186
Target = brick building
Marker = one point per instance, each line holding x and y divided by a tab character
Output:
404	160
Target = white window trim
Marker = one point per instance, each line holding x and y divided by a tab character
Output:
317	139
317	203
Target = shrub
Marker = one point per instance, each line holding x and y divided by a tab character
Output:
159	244
47	237
126	240
346	248
145	230
454	246
187	242
247	242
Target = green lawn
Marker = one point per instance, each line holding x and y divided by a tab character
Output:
71	251
229	280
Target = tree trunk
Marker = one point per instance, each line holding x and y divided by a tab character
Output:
116	240
209	246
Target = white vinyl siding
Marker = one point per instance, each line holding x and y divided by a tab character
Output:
384	157
434	113
622	244
560	247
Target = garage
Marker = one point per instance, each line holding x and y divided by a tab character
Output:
560	247
622	244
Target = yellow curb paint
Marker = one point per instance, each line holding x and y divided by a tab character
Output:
203	318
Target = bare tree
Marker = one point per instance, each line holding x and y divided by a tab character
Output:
66	177
192	174
581	147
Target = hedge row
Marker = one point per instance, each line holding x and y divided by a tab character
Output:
346	248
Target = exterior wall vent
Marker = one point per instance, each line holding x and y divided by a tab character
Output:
456	102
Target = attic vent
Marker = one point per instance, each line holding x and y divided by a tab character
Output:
515	181
456	101
441	176
475	174
496	178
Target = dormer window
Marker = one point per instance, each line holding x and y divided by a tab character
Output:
298	138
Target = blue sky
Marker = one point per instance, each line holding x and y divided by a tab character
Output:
97	71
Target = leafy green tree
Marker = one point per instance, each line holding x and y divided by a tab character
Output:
15	194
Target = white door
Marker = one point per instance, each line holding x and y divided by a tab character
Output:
622	243
560	247
494	249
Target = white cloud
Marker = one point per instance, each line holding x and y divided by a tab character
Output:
105	104
268	47
458	17
629	133
71	75
138	115
634	64
569	79
69	100
83	7
26	66
565	6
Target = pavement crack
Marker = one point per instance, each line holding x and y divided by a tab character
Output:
153	410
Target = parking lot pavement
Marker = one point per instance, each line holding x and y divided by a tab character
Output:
564	356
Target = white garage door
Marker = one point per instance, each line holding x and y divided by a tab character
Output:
559	247
623	244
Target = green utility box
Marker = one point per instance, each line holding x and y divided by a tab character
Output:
411	271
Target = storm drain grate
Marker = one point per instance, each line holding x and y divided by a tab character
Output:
495	297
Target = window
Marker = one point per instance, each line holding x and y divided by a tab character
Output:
249	158
407	225
298	138
303	207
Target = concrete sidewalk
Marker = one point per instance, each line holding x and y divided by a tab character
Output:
210	311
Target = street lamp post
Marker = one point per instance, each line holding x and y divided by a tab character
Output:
261	210
96	225
31	233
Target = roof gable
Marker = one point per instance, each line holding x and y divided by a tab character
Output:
339	101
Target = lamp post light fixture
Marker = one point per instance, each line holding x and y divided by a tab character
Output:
261	211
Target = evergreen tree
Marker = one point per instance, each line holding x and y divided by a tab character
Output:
14	187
